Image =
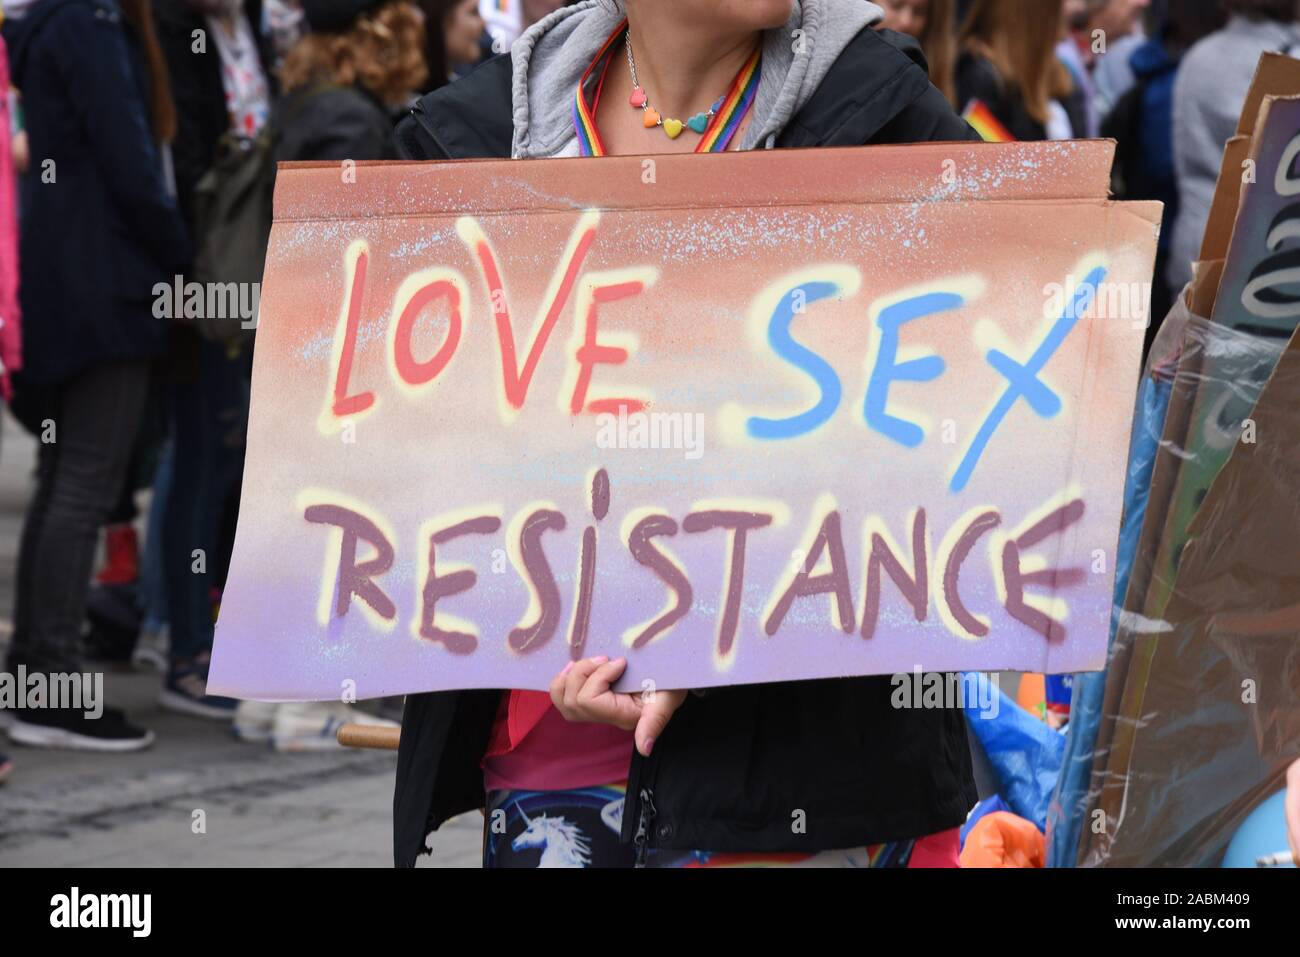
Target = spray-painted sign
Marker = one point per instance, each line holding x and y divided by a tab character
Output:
740	418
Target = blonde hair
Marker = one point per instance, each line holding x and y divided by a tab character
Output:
382	51
939	44
1019	38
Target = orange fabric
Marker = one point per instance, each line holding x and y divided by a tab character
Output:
1032	694
1002	839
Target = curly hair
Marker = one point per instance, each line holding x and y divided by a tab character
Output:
382	51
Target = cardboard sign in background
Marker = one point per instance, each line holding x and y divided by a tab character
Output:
572	379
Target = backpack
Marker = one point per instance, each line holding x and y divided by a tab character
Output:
232	220
232	213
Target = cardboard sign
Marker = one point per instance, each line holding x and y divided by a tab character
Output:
738	418
1212	413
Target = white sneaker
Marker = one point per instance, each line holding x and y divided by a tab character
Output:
312	725
152	650
253	720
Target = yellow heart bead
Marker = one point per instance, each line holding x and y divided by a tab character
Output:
672	128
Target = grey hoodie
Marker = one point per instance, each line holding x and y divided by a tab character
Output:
550	57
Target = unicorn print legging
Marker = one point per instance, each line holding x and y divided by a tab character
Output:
580	828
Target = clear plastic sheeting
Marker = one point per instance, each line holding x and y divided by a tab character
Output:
1197	715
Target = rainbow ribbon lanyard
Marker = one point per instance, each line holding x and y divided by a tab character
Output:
717	135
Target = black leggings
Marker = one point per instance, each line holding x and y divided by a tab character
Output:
86	431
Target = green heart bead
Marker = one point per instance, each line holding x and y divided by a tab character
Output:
699	122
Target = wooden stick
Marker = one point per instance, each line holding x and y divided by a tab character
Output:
369	736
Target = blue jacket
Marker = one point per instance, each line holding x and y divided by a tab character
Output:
1142	122
1156	71
98	229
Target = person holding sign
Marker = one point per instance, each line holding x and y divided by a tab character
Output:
812	772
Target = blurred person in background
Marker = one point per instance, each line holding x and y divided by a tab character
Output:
1007	67
115	583
503	22
99	229
358	63
933	23
10	312
506	19
219	61
1123	24
220	64
347	79
1208	96
1142	124
19	153
1102	35
11	347
453	31
283	25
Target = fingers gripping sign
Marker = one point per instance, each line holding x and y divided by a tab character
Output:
583	692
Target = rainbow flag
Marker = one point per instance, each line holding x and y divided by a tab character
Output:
979	116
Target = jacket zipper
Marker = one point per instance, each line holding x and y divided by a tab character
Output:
645	821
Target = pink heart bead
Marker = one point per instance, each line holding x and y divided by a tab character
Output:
637	99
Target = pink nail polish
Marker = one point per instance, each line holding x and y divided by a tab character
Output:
567	668
601	660
649	746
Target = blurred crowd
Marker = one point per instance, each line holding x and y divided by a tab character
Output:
136	105
1165	78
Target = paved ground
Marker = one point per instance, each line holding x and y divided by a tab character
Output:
258	808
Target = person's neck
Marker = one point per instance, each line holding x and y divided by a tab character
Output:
683	68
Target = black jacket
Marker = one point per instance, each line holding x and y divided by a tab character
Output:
332	123
202	119
98	229
735	766
197	88
978	79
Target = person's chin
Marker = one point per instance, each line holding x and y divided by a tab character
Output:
773	13
759	14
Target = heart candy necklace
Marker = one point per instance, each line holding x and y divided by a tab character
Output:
717	126
732	105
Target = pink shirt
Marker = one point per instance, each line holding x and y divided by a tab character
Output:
533	748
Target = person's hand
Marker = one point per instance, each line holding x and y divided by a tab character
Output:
20	152
1293	811
581	692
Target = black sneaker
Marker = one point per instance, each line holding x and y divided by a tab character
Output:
70	728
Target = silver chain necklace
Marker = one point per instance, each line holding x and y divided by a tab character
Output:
650	117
